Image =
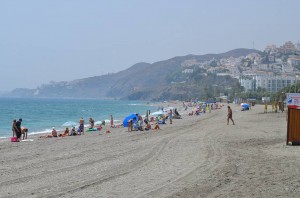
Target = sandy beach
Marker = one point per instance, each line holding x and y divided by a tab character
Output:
197	156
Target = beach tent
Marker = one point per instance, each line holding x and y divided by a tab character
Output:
126	119
245	106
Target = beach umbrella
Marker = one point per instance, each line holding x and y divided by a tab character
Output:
245	105
69	124
157	113
127	118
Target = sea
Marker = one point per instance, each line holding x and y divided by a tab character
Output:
40	115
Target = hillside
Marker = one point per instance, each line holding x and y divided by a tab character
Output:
143	81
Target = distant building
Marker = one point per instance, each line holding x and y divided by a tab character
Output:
271	49
287	48
298	46
274	83
248	83
293	60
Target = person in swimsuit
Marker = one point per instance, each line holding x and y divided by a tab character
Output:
229	115
53	134
81	126
92	123
66	133
14	128
111	121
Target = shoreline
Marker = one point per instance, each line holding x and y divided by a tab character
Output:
45	126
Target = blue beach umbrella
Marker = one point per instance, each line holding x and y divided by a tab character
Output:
245	106
126	119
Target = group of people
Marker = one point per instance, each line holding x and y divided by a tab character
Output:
133	124
141	124
276	106
79	131
64	134
18	131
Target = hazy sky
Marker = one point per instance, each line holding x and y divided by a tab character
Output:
45	40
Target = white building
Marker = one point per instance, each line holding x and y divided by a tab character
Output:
247	83
274	83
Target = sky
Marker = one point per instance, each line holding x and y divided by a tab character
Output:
64	40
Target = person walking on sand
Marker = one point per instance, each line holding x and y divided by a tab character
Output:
229	115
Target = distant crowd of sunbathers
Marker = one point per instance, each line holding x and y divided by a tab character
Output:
134	124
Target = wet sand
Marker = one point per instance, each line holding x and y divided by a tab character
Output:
197	156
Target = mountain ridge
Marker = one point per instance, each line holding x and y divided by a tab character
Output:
140	81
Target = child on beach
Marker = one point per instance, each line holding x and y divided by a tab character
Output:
81	126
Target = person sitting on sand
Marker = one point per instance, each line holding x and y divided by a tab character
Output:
156	126
162	119
176	114
53	134
66	133
73	132
148	126
151	119
92	123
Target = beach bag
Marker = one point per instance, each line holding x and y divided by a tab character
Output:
14	139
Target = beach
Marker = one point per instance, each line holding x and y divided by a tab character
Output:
197	156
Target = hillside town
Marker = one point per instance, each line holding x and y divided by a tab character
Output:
270	70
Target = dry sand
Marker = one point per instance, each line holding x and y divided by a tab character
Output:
197	156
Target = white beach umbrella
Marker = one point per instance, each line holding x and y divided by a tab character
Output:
157	113
69	124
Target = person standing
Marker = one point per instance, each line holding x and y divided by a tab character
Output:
111	121
266	108
129	124
18	125
170	116
229	115
14	128
81	126
92	123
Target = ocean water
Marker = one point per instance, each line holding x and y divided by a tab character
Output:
40	115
